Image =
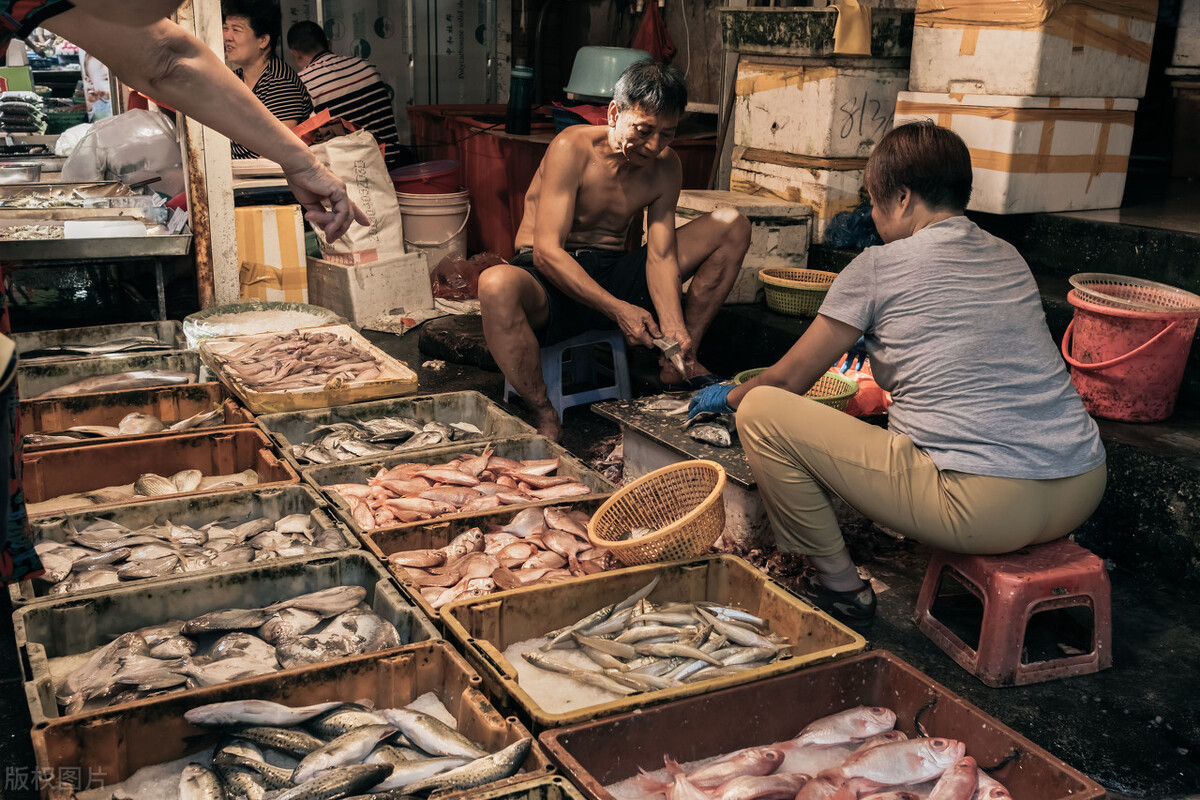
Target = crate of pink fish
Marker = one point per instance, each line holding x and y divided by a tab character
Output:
455	481
331	365
866	726
561	653
443	561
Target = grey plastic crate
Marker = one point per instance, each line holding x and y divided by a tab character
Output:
169	332
241	506
293	428
518	449
42	376
75	625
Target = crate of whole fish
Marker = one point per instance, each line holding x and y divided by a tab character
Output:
563	653
868	723
130	643
454	481
126	338
440	562
87	551
347	717
91	475
106	374
331	365
364	431
59	422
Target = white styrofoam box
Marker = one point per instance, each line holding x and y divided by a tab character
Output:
779	233
1041	48
829	186
365	292
1187	37
1032	154
811	106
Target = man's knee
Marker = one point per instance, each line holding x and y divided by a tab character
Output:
737	233
500	290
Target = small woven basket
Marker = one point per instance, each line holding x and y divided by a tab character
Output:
833	389
1134	294
798	292
681	504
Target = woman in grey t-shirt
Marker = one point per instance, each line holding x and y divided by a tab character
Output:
988	448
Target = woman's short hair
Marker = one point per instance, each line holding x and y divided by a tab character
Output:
265	17
930	161
653	87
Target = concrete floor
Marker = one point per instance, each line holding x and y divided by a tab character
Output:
1134	728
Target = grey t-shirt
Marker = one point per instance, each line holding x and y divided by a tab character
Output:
955	331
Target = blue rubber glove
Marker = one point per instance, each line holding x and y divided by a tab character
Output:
711	398
856	353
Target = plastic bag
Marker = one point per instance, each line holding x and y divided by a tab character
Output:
133	147
854	229
69	139
457	278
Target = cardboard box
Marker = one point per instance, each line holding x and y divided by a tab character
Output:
270	242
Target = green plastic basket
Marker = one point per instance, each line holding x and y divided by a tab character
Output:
833	389
798	292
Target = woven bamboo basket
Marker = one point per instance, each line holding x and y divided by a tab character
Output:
682	506
798	292
833	389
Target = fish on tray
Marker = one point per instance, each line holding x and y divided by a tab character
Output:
107	552
339	441
718	430
225	645
539	545
121	346
131	424
856	753
413	492
139	379
299	360
332	750
147	485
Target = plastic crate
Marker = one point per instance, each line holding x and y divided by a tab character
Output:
484	627
74	625
240	506
472	407
598	754
169	332
39	377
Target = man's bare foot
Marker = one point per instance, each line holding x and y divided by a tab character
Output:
669	375
547	424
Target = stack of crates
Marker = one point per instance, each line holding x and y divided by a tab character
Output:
1043	93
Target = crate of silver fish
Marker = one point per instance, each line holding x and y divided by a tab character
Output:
158	540
603	644
118	473
442	561
865	724
414	719
124	644
107	374
58	422
127	338
365	431
331	365
454	481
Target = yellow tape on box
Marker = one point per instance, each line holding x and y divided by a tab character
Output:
270	243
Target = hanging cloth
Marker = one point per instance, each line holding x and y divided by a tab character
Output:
652	34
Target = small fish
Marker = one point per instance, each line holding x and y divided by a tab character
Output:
200	783
338	782
855	724
143	379
344	719
349	748
187	480
290	741
411	772
288	623
780	786
138	422
959	782
204	419
910	761
431	734
716	435
494	767
230	619
152	485
327	602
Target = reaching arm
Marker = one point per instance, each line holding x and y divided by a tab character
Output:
662	261
808	359
561	170
169	64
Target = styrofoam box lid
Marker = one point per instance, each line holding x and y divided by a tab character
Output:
1014	101
750	205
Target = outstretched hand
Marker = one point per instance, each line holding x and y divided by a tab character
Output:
317	186
714	399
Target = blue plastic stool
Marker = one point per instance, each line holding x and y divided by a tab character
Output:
578	356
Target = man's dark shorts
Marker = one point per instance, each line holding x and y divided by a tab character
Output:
620	273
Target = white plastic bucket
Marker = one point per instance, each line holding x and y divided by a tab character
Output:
436	223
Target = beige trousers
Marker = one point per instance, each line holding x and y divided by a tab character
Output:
803	452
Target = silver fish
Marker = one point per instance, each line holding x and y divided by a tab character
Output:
225	671
288	623
152	485
241	782
175	647
301	651
338	782
200	783
495	767
716	435
423	439
349	748
407	773
204	419
138	422
295	523
268	775
600	681
431	734
344	719
327	602
187	480
123	380
106	557
255	712
290	741
229	619
240	644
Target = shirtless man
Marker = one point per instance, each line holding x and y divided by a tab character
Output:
571	272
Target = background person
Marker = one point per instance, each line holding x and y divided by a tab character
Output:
988	449
347	87
251	30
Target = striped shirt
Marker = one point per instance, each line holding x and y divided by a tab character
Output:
282	93
354	90
18	18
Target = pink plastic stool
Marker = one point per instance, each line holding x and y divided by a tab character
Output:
1013	587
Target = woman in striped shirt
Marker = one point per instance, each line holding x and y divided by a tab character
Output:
251	30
